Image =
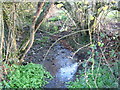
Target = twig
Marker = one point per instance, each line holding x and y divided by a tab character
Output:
62	38
107	62
80	49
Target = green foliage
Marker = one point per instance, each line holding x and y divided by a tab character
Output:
50	27
101	78
99	74
113	14
25	12
42	41
55	28
54	19
28	76
57	18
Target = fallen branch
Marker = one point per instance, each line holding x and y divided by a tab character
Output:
62	38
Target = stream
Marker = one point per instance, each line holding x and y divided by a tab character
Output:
62	67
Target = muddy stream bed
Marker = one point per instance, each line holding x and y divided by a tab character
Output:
59	63
61	66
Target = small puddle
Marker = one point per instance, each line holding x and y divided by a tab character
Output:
61	66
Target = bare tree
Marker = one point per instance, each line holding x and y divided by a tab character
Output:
9	27
37	21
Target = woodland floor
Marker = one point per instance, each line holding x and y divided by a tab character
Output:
39	49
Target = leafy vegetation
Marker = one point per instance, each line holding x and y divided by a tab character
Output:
27	76
99	71
41	41
89	28
100	77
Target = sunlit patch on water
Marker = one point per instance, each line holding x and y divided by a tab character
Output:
67	73
65	67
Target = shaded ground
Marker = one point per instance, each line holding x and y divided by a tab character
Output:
58	62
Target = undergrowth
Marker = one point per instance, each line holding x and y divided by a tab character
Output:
103	70
26	76
100	77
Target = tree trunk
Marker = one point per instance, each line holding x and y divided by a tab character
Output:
1	41
37	21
